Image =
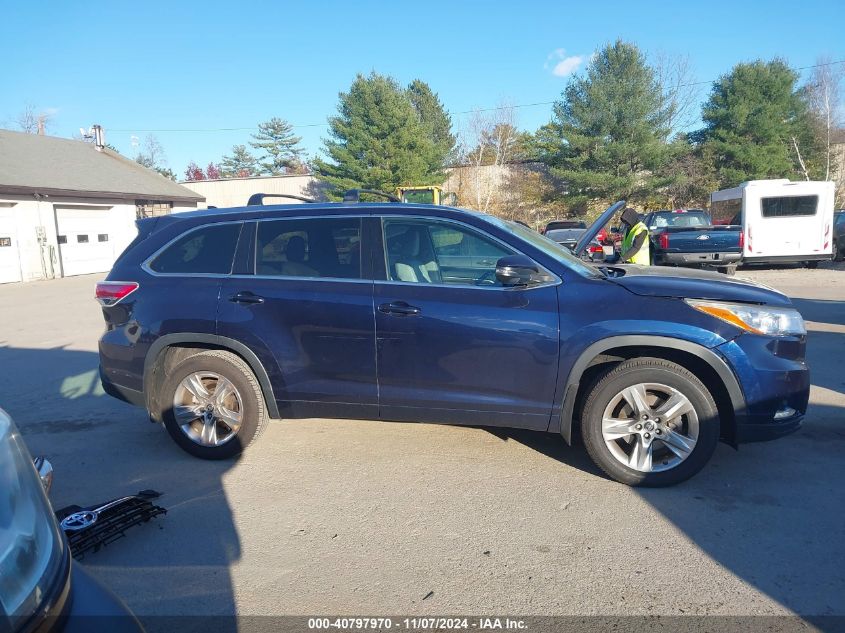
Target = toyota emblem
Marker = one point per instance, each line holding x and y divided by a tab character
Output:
79	520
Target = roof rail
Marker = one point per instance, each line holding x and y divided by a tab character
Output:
258	198
354	195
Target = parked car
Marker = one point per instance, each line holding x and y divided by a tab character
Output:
564	224
217	321
568	238
839	236
41	588
687	237
780	221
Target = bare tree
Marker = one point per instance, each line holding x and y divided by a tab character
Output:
488	145
33	122
152	155
824	91
675	75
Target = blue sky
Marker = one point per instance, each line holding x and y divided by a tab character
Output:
134	67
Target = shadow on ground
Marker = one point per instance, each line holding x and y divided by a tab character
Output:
69	419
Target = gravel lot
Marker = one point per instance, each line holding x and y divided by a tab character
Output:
327	516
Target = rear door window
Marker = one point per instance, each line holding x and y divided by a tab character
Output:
789	206
312	247
208	250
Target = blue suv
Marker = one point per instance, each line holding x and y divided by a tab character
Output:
219	320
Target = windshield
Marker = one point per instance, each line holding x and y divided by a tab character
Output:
662	220
559	235
549	247
418	196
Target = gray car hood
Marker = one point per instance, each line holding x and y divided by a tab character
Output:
690	283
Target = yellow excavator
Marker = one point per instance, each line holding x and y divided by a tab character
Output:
426	195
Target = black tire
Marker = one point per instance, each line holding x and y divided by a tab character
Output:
838	252
252	407
729	270
649	370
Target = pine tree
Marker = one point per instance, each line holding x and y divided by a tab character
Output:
608	135
280	146
240	164
377	141
433	115
754	118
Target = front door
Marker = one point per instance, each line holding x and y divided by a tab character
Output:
454	346
307	313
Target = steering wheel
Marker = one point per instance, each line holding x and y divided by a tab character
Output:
487	279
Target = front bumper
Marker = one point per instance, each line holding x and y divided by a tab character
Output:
767	430
773	377
698	259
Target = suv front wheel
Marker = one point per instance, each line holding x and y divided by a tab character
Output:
213	405
650	422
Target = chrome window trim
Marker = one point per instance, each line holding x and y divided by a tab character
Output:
145	266
556	280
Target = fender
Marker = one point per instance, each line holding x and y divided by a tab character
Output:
573	381
221	342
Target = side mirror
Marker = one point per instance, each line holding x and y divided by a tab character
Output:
518	270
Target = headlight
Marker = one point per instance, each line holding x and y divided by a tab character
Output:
752	318
31	547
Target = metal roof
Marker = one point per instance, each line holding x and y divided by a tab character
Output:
48	165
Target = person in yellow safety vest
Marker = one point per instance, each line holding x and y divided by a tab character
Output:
635	244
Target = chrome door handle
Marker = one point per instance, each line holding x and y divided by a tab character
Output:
246	297
399	308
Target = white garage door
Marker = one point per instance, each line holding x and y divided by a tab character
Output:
10	263
85	245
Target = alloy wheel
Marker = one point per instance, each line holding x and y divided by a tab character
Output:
208	408
650	427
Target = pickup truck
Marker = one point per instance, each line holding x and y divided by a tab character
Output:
687	237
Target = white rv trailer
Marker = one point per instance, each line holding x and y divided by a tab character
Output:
782	221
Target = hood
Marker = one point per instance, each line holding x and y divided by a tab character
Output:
690	283
593	230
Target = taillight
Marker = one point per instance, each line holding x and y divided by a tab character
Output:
664	241
596	249
108	293
741	240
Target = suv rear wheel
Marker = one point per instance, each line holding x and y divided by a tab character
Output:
650	422
214	405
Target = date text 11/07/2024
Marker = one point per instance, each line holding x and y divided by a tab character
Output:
416	624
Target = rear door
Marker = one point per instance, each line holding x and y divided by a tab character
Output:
454	346
305	307
788	220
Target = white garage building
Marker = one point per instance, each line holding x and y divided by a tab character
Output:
69	208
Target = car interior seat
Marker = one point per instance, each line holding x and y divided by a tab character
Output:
295	265
411	257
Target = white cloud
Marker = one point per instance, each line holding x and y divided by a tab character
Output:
567	66
562	65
